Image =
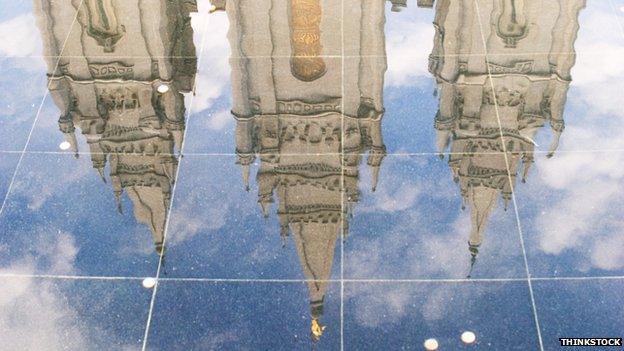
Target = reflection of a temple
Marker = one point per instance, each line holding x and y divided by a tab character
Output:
307	126
121	83
491	124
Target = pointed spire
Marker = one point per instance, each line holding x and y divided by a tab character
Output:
101	172
557	125
316	329
73	143
345	230
245	170
554	145
474	251
266	206
178	140
168	168
443	139
118	201
374	177
527	165
350	208
284	229
163	263
160	249
284	235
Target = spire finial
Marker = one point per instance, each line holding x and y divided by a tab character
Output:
316	329
160	249
374	177
101	172
474	251
265	205
178	140
245	170
527	165
118	201
284	233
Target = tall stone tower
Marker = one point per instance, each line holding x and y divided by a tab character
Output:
121	82
308	103
494	99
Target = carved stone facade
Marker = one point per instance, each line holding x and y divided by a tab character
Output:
121	82
491	106
308	131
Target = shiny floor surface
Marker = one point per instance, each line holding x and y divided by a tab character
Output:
311	174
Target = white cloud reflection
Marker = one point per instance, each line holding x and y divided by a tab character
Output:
582	214
20	37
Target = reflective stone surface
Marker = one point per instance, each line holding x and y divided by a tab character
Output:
310	174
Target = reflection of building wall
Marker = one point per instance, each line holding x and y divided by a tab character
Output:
119	79
492	106
309	115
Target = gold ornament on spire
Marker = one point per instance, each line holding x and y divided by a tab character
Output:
317	329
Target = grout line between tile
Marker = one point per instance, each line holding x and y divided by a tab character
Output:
333	281
323	56
197	154
342	182
32	128
511	184
173	192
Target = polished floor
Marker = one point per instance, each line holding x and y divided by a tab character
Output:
311	174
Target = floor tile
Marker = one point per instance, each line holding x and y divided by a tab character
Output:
579	309
570	212
403	315
55	314
28	48
243	316
60	218
599	29
8	164
413	225
243	151
25	25
219	230
22	91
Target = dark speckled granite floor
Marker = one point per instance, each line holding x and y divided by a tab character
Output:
310	174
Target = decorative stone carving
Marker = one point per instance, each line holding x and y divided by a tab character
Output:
104	25
307	64
521	67
112	70
511	22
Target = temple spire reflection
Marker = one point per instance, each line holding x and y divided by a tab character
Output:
306	118
121	85
492	106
